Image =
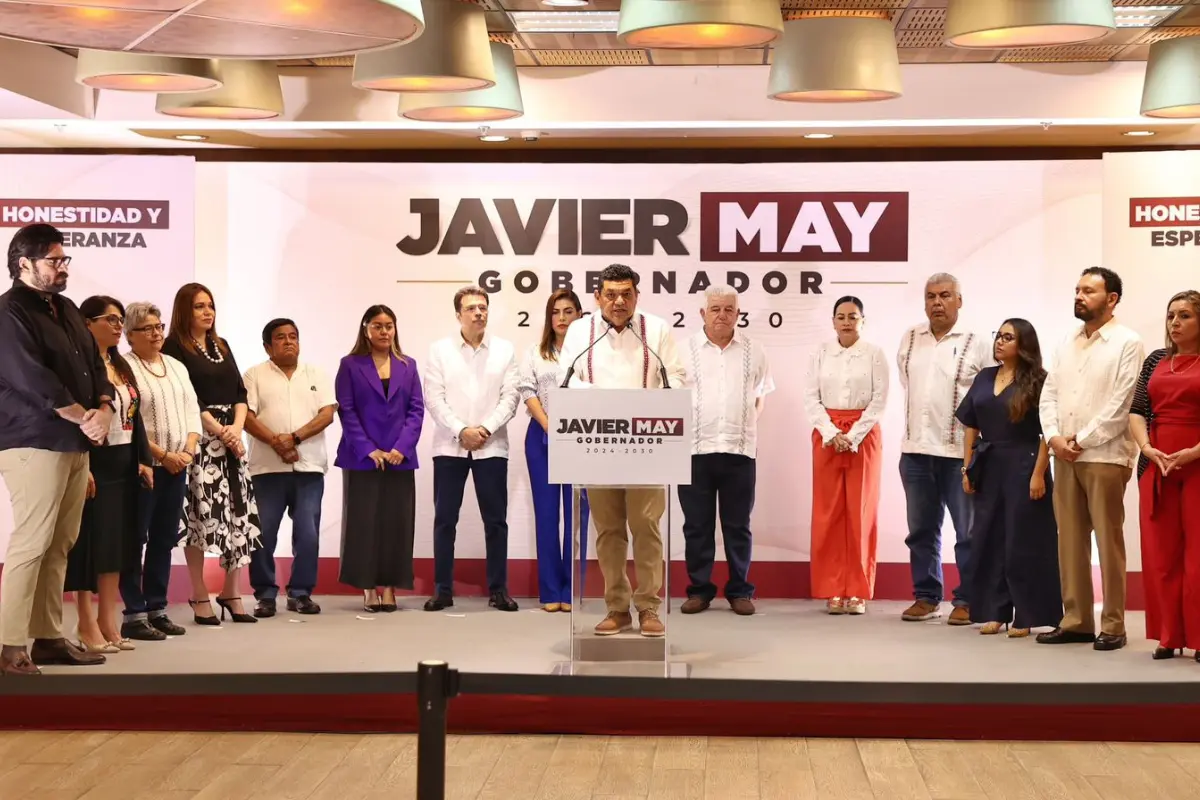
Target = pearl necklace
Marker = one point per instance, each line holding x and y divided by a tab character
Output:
218	359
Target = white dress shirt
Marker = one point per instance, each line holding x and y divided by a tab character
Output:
1088	392
170	410
538	376
726	386
936	376
285	406
621	360
846	379
467	387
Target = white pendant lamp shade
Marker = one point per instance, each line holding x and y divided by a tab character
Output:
1027	23
1172	87
137	73
452	55
499	102
250	90
836	60
699	24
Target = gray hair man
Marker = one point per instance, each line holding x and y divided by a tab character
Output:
731	378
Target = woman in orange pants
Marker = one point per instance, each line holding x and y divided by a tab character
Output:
845	395
1165	422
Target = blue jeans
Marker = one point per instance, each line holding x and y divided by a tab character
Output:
144	584
491	490
553	542
932	486
300	494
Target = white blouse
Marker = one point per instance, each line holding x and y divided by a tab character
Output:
846	379
538	377
170	410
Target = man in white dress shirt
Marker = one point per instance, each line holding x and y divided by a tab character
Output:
1085	420
622	348
289	406
730	380
938	362
471	393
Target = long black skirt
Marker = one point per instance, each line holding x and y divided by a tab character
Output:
108	534
379	513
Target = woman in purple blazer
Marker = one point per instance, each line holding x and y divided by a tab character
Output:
381	411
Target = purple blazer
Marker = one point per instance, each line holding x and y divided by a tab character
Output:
372	421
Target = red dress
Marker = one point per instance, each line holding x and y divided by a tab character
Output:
1170	509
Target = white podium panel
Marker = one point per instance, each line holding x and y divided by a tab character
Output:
618	440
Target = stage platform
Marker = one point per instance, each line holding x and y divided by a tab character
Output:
789	670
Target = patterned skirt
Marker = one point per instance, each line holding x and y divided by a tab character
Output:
220	514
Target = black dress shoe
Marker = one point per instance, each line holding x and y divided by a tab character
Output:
165	625
1161	653
142	631
303	605
1059	636
1108	641
439	602
502	602
264	609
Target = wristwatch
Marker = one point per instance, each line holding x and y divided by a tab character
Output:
296	436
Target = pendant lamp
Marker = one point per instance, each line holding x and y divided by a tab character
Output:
498	102
699	24
836	60
452	55
133	72
1172	86
1001	24
250	90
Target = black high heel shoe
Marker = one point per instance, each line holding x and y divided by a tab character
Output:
368	606
1161	653
226	604
209	620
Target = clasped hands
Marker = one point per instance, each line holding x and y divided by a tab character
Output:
1065	449
94	422
231	437
382	459
841	443
1168	463
474	438
286	446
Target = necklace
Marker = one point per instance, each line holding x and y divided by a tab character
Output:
1186	369
149	365
219	358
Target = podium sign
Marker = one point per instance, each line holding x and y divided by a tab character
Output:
620	437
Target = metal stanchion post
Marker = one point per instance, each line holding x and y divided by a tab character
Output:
436	684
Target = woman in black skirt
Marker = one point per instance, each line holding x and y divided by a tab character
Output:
1014	537
108	535
381	410
220	512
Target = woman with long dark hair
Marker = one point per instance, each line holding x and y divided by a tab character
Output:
381	409
1165	423
220	513
539	374
1014	537
108	534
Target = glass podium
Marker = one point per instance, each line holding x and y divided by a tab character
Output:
610	440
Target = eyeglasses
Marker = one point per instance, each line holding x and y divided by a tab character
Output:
159	328
1007	338
116	320
58	262
375	327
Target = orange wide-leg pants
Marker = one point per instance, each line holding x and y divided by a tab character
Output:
845	512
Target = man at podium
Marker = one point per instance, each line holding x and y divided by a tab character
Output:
622	348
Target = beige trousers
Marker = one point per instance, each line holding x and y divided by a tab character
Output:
47	490
617	513
1091	497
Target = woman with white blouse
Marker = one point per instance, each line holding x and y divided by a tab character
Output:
540	372
844	397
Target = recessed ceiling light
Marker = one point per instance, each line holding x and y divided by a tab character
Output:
1139	133
1142	16
493	137
565	3
818	136
565	21
192	137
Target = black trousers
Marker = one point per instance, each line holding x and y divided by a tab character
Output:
722	485
491	490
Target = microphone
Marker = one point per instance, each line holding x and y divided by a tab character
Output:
571	369
662	368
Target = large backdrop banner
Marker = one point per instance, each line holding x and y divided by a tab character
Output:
128	220
321	242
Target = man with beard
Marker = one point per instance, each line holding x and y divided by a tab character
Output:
55	400
1085	420
289	406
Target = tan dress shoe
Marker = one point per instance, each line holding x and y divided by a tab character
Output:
616	622
921	611
650	624
961	615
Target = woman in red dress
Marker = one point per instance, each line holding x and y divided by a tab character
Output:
1165	421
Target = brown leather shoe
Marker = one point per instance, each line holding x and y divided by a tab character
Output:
60	652
921	611
694	605
616	622
18	663
742	606
650	624
961	615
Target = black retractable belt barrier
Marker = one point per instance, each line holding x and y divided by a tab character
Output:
436	685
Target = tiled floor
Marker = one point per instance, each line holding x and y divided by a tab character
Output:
234	766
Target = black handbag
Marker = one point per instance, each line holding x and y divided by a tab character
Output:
976	469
